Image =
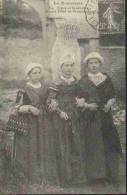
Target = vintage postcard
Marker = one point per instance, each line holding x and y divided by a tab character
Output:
62	97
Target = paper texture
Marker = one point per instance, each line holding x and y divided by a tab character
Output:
43	31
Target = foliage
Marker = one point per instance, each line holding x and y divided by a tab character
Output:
119	113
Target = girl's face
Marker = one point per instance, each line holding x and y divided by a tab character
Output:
67	70
35	75
94	65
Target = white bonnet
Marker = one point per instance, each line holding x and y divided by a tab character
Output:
94	55
68	58
32	65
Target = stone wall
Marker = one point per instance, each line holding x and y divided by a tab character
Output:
115	66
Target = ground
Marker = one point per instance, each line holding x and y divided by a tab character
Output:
96	189
6	103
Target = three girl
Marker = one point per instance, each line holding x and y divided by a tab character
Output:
71	137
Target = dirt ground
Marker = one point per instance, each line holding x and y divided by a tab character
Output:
95	189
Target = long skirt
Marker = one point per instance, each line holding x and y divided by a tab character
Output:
93	145
69	156
27	159
112	147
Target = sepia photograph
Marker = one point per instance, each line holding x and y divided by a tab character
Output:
62	97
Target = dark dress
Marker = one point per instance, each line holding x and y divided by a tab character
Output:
67	145
29	147
101	141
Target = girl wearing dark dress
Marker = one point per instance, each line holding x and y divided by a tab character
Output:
101	140
64	117
28	147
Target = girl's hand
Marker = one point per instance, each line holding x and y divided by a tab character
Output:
80	102
109	105
35	111
92	106
29	109
64	116
24	108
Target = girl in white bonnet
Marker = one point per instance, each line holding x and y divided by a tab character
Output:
30	102
101	140
64	116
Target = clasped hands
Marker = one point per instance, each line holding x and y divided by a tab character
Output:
81	103
29	109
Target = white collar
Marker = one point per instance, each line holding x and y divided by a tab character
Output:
34	86
95	75
68	80
97	78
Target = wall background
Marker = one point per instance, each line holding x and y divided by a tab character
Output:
57	37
